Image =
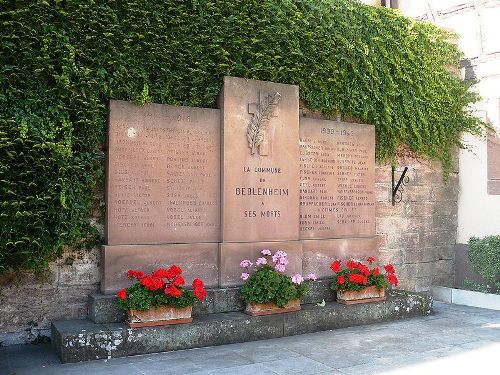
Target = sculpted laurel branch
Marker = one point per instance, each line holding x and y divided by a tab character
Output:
260	120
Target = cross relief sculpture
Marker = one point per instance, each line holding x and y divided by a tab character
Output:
257	129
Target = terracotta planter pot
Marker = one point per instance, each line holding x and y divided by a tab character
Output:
369	294
159	316
256	309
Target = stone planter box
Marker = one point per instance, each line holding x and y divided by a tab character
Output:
369	294
258	309
159	316
466	297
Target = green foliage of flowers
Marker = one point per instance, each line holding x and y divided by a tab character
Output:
267	285
61	61
484	255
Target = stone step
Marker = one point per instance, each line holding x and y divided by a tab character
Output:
81	340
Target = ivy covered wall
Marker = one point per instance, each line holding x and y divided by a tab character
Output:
61	61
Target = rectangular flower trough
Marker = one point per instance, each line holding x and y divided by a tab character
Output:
258	309
159	316
369	294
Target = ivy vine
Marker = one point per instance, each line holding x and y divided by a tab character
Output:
62	60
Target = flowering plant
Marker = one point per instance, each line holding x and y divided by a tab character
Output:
266	281
357	276
161	287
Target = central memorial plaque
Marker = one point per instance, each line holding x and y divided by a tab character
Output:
260	172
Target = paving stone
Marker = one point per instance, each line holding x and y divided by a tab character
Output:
220	361
254	369
296	365
265	353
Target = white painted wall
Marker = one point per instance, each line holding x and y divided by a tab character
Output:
478	25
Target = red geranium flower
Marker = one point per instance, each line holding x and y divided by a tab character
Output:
197	283
160	273
363	269
336	266
200	293
370	259
132	274
351	264
390	269
375	271
152	283
178	281
175	270
341	280
358	279
392	279
122	294
173	291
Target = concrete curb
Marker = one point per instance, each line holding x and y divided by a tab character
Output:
466	297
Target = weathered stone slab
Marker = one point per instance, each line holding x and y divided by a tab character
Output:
231	254
312	319
197	260
260	173
337	179
163	174
80	340
103	308
319	254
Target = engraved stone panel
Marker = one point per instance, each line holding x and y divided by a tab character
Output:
337	179
319	254
197	261
231	254
163	174
260	152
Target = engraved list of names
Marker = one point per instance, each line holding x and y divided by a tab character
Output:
163	174
337	175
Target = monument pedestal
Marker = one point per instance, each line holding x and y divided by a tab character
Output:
82	340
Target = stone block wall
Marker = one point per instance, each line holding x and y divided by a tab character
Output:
417	235
28	303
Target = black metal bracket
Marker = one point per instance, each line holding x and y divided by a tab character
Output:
397	189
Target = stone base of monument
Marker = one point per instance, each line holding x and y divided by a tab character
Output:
82	340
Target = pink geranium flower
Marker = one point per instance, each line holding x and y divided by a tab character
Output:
279	267
261	261
297	279
245	263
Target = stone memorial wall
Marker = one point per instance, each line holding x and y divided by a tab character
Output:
206	188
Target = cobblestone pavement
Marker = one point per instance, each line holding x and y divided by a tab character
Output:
454	340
